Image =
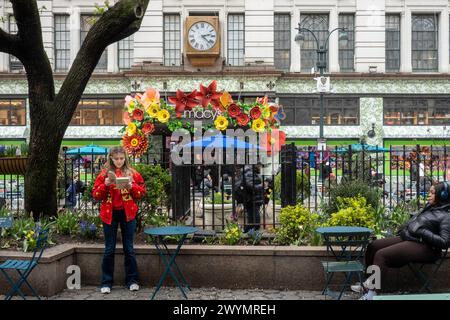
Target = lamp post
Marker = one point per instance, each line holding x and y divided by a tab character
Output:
321	59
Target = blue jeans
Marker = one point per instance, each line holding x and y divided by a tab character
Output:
128	230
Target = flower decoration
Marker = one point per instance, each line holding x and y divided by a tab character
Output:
135	145
144	112
184	101
209	94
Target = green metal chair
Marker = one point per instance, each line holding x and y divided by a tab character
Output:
24	267
424	277
346	247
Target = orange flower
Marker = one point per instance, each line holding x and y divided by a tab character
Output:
150	97
226	100
135	145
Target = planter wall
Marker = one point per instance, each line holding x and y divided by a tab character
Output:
292	268
13	165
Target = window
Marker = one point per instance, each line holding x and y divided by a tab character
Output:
125	47
425	42
416	111
172	46
392	42
235	40
305	111
62	42
318	24
14	63
12	112
282	41
347	48
98	112
87	21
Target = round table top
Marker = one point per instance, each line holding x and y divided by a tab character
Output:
343	230
170	230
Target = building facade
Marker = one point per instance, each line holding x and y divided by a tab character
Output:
391	74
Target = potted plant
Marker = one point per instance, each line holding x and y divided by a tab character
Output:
14	159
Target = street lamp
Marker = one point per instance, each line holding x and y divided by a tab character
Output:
321	58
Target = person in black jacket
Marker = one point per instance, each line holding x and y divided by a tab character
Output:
250	192
421	239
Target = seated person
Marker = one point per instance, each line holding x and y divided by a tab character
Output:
421	239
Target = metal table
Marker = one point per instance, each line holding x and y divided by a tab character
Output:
158	237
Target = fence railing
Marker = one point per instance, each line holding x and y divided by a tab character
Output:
209	196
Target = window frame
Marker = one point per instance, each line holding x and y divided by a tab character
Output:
128	51
9	110
421	33
231	50
308	37
388	16
176	42
351	40
66	40
277	40
98	98
83	33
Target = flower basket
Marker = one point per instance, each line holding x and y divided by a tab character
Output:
13	165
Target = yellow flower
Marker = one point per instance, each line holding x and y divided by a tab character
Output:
134	142
221	123
131	129
258	125
131	106
153	110
163	116
266	113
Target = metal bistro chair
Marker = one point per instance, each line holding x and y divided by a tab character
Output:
24	267
427	277
346	246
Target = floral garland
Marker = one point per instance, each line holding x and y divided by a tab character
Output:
144	111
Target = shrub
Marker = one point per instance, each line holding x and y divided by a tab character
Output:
303	183
353	211
157	182
351	189
297	225
218	199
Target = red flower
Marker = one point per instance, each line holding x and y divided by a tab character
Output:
184	101
242	119
255	112
209	94
138	114
135	145
148	128
234	110
273	140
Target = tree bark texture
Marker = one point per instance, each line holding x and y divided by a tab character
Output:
50	112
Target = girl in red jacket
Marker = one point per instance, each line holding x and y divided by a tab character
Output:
118	207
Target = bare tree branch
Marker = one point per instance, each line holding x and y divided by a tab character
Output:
115	24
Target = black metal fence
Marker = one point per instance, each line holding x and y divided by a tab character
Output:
209	196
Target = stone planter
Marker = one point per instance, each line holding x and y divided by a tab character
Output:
221	213
13	165
268	219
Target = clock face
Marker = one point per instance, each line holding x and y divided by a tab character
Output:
202	36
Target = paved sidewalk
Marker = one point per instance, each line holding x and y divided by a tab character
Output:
173	293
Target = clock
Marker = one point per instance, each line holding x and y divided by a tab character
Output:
202	36
202	40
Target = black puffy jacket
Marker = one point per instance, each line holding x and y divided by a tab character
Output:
430	226
250	187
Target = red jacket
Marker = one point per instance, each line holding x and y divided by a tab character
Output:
106	193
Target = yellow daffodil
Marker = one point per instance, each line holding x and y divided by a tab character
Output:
131	129
258	125
163	116
221	123
153	110
131	106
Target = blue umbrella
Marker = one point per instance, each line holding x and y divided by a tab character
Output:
90	149
358	147
221	141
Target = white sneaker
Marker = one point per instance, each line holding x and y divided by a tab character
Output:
369	295
357	287
134	287
105	290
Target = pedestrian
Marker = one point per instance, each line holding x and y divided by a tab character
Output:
118	207
421	239
71	194
250	192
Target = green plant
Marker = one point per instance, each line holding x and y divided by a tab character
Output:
353	211
297	225
233	234
218	199
156	219
24	149
11	151
66	223
349	189
157	182
303	186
